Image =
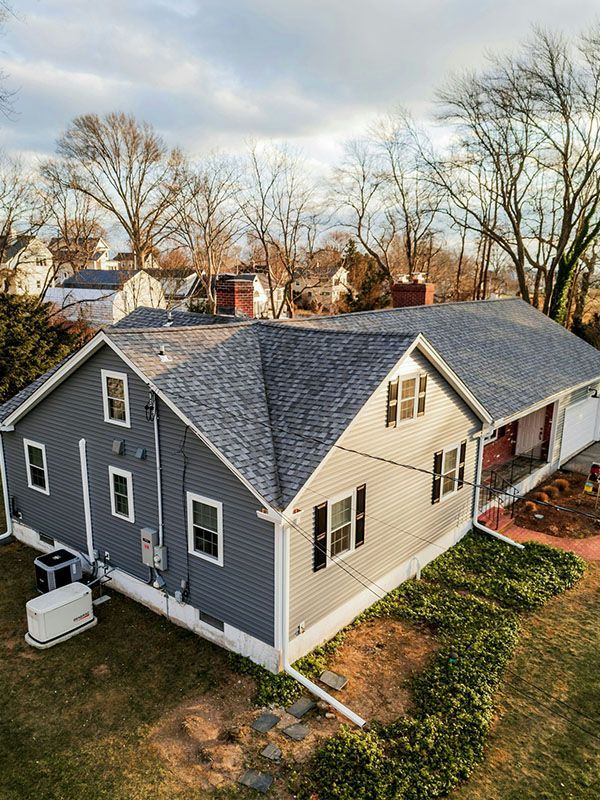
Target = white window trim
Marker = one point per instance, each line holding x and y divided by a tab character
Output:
129	478
107	373
491	436
208	501
30	484
335	499
444	495
401	379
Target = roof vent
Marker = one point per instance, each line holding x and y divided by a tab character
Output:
169	321
162	353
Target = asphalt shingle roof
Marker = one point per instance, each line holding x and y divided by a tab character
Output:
99	279
507	353
144	317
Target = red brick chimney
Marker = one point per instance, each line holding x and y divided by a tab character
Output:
235	296
413	293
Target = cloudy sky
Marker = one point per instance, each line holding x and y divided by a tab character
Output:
212	73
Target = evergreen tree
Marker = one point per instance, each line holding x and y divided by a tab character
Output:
32	340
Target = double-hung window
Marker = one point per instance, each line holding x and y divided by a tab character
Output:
121	494
115	396
406	399
449	471
37	468
339	526
205	528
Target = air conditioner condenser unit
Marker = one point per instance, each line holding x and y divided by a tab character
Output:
55	616
56	569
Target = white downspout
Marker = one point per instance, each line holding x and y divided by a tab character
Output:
158	473
7	508
476	524
283	534
85	488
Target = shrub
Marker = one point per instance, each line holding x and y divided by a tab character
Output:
352	766
541	496
551	491
562	484
530	507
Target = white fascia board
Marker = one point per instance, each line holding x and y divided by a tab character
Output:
55	379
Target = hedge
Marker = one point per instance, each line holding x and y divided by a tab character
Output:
424	756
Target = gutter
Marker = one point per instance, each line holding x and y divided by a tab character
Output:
475	522
158	473
7	536
282	534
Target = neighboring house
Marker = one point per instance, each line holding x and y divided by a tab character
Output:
26	266
182	285
246	295
323	286
103	297
289	469
81	253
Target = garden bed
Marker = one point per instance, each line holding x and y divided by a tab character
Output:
545	519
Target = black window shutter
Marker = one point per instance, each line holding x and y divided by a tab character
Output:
320	541
437	479
361	498
392	403
461	465
422	393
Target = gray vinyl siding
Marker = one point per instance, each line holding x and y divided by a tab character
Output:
241	592
400	517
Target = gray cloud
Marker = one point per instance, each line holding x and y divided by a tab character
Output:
208	72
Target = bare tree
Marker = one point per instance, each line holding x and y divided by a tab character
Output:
127	169
279	208
523	172
207	223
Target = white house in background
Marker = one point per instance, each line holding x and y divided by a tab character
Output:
26	266
92	252
246	294
324	286
182	286
102	297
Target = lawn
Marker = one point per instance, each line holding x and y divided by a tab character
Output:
74	719
532	752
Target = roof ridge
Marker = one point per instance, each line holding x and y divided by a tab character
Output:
188	328
340	331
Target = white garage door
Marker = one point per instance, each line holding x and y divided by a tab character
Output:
580	427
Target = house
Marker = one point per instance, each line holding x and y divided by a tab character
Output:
323	286
103	297
247	295
182	285
26	266
70	256
286	472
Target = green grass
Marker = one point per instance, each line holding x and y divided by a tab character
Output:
532	752
74	719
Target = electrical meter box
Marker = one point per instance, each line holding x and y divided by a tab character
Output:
149	542
160	558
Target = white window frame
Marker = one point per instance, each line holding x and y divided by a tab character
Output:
401	379
490	436
30	443
122	376
192	498
123	473
335	499
444	495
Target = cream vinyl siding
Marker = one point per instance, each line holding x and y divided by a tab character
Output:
400	518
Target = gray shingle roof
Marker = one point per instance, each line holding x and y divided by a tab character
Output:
272	399
507	353
144	317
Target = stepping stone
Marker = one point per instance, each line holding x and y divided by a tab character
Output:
254	779
297	731
301	707
333	680
265	722
272	752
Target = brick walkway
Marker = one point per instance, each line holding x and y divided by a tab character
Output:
586	548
